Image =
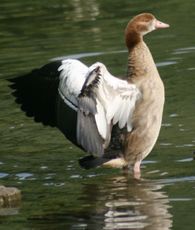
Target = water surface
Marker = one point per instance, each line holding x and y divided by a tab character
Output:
57	193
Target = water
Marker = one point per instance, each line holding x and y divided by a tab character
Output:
57	193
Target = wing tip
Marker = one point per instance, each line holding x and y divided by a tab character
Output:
87	134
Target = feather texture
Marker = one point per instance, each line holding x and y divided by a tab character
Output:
101	101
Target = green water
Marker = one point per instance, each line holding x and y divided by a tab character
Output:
56	192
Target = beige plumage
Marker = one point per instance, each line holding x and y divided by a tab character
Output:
147	116
103	101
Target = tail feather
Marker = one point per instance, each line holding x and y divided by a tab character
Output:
89	162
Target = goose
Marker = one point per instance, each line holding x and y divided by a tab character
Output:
102	101
116	121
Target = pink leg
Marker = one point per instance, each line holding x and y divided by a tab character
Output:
136	170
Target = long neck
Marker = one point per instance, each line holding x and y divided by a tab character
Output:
132	38
140	62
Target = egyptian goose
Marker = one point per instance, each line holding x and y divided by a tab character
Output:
102	101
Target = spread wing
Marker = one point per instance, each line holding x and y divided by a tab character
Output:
83	102
103	102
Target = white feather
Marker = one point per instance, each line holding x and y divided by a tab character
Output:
101	121
115	98
118	98
72	77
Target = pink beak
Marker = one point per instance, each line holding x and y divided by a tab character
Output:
161	25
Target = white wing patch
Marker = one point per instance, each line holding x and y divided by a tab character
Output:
72	77
118	99
113	99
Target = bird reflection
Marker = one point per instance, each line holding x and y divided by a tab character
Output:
108	203
124	203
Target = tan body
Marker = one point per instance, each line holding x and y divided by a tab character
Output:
147	116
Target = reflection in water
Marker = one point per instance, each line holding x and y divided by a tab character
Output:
113	203
133	205
85	8
9	211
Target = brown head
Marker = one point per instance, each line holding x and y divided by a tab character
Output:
139	26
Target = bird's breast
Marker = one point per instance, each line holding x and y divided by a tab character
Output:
148	110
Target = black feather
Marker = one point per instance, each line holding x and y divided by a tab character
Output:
91	81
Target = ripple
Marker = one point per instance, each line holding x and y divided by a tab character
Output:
163	173
184	145
91	175
24	176
180	199
43	167
3	175
165	144
50	176
77	56
185	160
166	124
184	50
153	172
173	115
54	184
123	203
84	55
175	180
150	162
129	223
75	176
183	130
165	63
